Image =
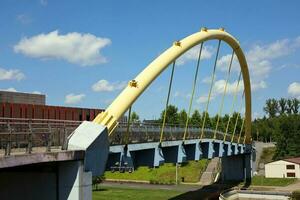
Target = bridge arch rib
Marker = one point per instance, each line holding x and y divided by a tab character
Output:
137	86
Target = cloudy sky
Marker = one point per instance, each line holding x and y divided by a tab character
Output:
83	53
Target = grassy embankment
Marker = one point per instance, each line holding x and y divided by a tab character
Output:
132	194
164	174
267	155
262	181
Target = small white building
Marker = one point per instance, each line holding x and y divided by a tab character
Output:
287	168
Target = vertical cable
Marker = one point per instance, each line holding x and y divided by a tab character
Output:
237	117
167	103
224	93
211	87
193	92
242	127
233	105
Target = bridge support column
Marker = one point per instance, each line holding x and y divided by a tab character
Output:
158	157
174	154
218	148
227	149
198	152
237	167
207	149
73	182
193	151
234	148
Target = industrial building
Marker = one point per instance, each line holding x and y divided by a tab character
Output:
286	168
33	106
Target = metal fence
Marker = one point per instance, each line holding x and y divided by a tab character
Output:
43	135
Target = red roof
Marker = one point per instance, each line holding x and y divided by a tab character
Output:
293	160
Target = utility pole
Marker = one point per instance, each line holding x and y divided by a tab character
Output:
176	179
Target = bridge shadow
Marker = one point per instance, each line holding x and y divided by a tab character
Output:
209	192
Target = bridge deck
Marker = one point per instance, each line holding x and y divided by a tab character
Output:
25	136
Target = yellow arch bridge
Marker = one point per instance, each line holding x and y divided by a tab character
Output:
104	143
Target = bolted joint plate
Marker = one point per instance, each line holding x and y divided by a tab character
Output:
93	139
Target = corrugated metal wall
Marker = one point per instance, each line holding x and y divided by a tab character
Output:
30	111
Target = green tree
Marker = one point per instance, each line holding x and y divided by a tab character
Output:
288	136
134	118
207	120
271	107
282	106
296	105
196	119
289	109
172	116
223	123
182	117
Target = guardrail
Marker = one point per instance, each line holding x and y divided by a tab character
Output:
30	135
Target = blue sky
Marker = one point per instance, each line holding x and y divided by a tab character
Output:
82	53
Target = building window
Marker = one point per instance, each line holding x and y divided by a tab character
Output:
290	167
289	174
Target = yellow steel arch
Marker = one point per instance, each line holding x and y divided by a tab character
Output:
136	86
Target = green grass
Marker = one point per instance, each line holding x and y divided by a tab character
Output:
262	181
267	155
164	174
130	194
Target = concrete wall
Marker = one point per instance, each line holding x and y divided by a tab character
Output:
236	168
28	185
52	181
278	169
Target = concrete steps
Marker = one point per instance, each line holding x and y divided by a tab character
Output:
209	174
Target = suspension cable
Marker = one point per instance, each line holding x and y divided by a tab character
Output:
224	94
210	90
237	117
193	92
128	126
233	105
167	103
242	127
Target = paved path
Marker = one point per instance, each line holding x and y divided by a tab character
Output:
181	188
208	174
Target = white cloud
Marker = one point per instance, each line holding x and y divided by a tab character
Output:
73	98
105	86
178	94
77	48
193	54
36	92
11	74
219	87
294	89
204	98
207	79
258	85
11	89
260	60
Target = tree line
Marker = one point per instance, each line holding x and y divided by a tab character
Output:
281	125
177	117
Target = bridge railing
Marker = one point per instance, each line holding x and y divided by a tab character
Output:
38	135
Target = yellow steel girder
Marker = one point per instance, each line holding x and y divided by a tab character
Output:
136	87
